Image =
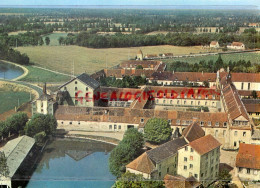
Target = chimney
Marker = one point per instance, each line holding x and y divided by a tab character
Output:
44	88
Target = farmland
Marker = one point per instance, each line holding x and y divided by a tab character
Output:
89	60
9	99
253	57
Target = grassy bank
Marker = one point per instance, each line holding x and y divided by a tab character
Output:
40	75
9	99
90	60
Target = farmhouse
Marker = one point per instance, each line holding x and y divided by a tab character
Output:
236	46
214	44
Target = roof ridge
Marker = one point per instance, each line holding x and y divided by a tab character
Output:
16	145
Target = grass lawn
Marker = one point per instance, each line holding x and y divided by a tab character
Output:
9	99
90	60
39	75
253	57
54	38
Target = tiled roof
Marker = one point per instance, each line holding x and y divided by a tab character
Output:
193	132
245	77
180	182
248	156
166	150
237	44
235	107
142	164
204	144
247	93
213	42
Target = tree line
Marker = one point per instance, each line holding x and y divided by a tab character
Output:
126	82
214	66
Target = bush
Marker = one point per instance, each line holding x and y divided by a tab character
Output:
40	137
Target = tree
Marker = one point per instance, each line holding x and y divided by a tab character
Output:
129	180
206	83
219	63
139	67
4	170
223	178
61	40
17	122
254	94
157	131
41	123
47	40
41	42
126	151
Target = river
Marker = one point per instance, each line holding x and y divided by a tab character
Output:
9	71
72	163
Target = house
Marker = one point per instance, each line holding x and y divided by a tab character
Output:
248	162
139	55
156	163
214	44
45	104
253	107
236	46
200	158
180	182
17	152
80	91
150	56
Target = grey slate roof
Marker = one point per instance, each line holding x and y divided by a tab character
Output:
166	150
91	82
16	151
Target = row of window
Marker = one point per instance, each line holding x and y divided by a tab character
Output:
115	127
185	102
244	133
248	171
159	94
202	123
242	86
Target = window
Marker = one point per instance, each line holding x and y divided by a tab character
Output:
178	122
206	103
225	124
201	123
191	149
199	103
201	174
211	170
62	122
185	167
240	169
157	101
76	82
206	96
163	101
159	174
65	88
167	170
79	123
70	123
178	101
169	121
86	88
242	86
216	166
235	144
248	170
160	166
142	120
217	124
115	126
76	88
191	166
170	101
185	159
186	148
110	126
248	86
213	97
216	133
196	175
191	102
235	133
76	102
119	126
184	102
209	123
244	134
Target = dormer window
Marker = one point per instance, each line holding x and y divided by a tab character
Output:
217	124
201	123
76	82
209	123
206	96
225	124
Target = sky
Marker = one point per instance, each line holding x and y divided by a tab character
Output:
130	2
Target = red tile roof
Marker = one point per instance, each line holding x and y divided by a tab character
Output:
180	182
248	156
193	132
237	44
142	164
204	144
213	42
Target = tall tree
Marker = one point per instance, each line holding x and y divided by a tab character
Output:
157	131
4	170
47	41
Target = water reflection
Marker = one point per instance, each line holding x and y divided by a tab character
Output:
9	71
67	163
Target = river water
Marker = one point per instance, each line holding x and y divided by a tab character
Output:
9	71
68	163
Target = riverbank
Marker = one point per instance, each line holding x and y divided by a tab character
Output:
25	70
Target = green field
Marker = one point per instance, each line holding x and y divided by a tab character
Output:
40	75
253	57
54	38
9	99
90	60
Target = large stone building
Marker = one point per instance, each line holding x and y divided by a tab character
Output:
192	155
